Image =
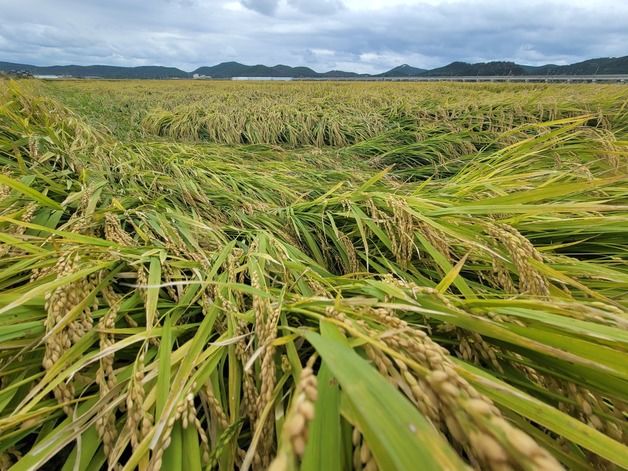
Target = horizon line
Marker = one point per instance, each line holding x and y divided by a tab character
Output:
308	67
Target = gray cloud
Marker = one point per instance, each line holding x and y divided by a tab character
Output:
360	35
265	7
320	7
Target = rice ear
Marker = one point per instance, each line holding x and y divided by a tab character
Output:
243	276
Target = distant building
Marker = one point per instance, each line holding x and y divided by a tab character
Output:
49	77
201	77
275	79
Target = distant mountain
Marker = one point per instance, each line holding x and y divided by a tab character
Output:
457	69
223	70
341	73
404	70
235	69
603	65
103	71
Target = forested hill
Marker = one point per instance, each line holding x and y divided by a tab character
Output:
599	66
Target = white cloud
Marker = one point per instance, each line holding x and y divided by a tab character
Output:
322	52
234	6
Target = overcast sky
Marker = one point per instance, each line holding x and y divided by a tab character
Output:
358	35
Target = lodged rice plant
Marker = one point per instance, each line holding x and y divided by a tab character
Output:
267	122
431	297
328	114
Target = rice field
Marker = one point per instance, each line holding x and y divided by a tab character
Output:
304	276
